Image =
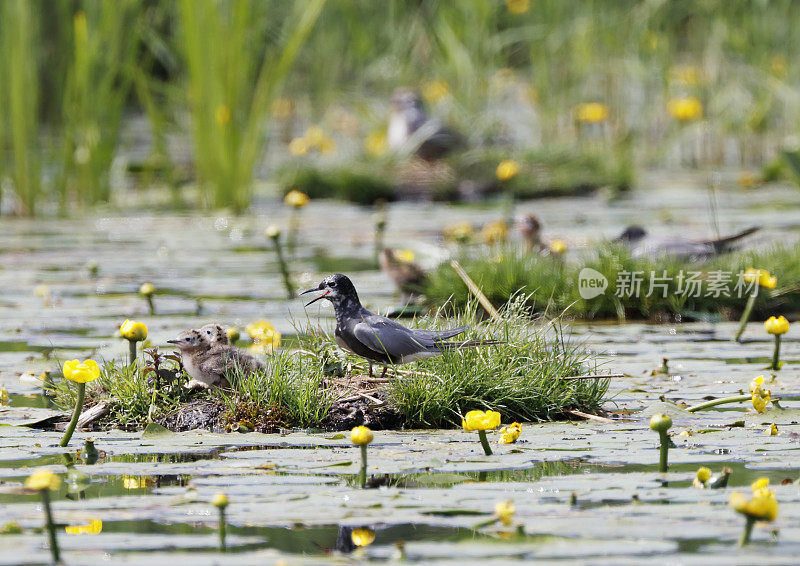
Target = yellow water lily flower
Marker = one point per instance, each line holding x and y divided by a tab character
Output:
327	146
761	276
233	334
771	430
43	479
94	527
220	500
505	512
435	90
760	400
507	170
518	7
406	256
592	112
272	232
315	135
495	232
558	247
762	506
362	536
133	331
685	108
296	199
147	289
703	475
459	232
777	325
134	482
265	337
375	144
4	396
756	384
81	372
361	435
481	420
660	422
299	147
509	434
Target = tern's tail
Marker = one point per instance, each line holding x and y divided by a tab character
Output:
467	344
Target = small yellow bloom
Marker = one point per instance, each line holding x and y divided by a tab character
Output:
134	482
327	146
406	256
518	7
703	475
685	75
299	146
481	420
315	136
296	199
771	430
272	232
558	247
759	484
507	170
94	527
777	325
265	337
685	108
509	434
223	115
459	232
592	112
147	289
435	90
43	479
756	384
762	506
220	500
660	422
761	276
362	537
760	400
81	372
3	396
361	435
233	334
375	144
495	232
505	512
133	331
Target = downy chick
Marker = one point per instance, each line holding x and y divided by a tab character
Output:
407	276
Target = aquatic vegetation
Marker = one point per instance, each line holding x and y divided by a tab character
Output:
661	424
147	290
758	278
361	436
80	373
777	327
554	286
44	481
274	234
481	421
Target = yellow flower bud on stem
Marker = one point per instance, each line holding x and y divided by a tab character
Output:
222	526
51	527
661	424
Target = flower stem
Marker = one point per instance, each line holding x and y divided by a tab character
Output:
744	540
132	351
662	462
748	308
777	353
151	305
222	529
362	474
75	414
485	443
51	527
291	241
720	401
287	282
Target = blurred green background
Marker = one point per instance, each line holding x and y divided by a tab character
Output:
209	103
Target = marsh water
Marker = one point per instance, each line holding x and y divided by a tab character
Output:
583	490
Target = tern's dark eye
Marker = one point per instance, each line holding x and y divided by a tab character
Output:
332	284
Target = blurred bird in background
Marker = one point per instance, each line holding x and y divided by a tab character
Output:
411	129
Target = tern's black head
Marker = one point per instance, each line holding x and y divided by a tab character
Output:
337	288
632	234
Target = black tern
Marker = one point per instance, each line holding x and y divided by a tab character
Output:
641	244
377	338
410	125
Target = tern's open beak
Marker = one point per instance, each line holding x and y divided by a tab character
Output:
322	296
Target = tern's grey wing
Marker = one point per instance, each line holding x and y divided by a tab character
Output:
388	338
439	334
